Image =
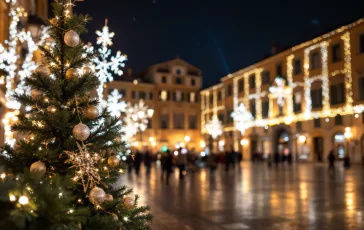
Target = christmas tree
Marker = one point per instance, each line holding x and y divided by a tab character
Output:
62	171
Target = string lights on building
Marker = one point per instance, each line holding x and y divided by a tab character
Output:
284	93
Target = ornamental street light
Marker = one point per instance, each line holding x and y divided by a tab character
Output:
140	113
348	135
214	127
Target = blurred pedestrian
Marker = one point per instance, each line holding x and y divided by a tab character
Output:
212	161
167	164
347	162
331	159
289	157
137	161
147	161
227	160
181	163
276	158
233	157
130	163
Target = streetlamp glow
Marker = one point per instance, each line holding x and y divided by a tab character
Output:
221	143
348	134
202	144
302	139
244	142
187	138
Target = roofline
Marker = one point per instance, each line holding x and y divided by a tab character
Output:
214	87
165	62
130	83
294	48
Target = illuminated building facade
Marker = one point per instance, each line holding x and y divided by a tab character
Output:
172	90
307	100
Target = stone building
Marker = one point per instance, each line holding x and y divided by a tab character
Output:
306	100
172	90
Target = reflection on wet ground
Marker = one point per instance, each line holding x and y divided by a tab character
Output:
256	197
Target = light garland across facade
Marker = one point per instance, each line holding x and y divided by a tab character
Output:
307	114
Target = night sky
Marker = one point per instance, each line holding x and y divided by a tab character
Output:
218	36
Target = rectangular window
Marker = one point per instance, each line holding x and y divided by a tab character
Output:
219	95
150	96
192	122
338	120
315	60
316	98
265	78
253	109
336	53
337	94
164	121
361	43
178	121
221	117
178	81
297	102
317	122
142	95
241	85
265	109
252	81
134	94
361	87
193	82
279	70
297	67
229	90
230	120
164	79
281	111
211	99
178	96
192	97
164	95
299	126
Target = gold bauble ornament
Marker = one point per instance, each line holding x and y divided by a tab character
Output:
51	109
87	70
81	132
92	112
43	69
72	74
109	198
35	93
115	217
53	21
97	196
113	161
72	39
129	201
38	167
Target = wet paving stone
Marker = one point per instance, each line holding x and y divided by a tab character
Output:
303	196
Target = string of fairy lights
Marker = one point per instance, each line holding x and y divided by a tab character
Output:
82	161
281	94
15	74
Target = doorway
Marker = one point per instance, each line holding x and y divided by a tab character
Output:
339	146
318	148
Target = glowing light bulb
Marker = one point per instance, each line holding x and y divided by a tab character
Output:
12	198
23	200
